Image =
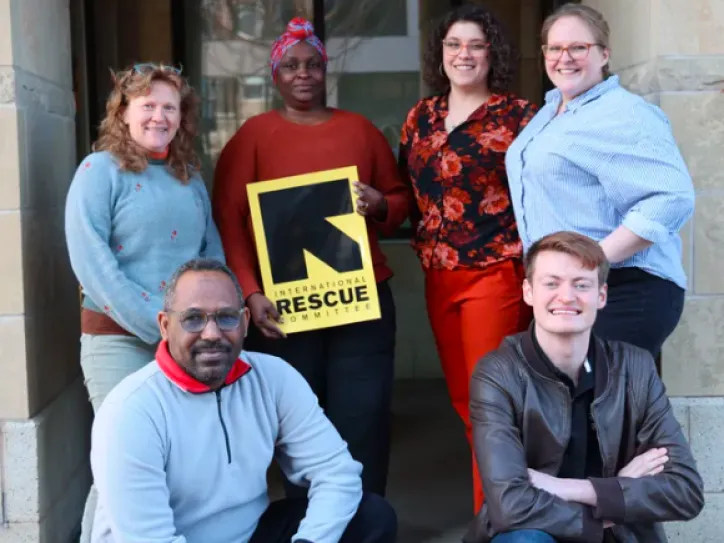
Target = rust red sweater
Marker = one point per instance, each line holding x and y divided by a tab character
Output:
269	147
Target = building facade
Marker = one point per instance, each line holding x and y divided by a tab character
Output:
54	61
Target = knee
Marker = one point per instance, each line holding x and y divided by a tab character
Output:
294	506
524	536
378	517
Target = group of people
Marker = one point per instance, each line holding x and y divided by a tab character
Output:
548	239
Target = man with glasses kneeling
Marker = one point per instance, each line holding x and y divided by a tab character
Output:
181	448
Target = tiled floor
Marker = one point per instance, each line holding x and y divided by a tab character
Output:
430	470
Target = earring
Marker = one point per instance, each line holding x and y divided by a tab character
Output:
439	69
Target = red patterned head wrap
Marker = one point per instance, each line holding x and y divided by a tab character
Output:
298	30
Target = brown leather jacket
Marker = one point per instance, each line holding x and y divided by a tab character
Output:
521	419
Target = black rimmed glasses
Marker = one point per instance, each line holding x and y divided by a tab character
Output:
195	320
150	66
577	51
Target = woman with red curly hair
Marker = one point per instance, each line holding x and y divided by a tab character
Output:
136	210
350	367
452	152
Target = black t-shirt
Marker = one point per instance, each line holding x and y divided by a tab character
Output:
582	458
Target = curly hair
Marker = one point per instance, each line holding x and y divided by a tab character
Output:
114	134
501	51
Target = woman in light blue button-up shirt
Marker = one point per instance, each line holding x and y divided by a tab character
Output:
602	161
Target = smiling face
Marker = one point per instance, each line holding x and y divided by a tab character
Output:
301	78
205	348
465	56
574	62
153	119
564	295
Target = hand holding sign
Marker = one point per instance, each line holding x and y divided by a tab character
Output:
265	315
371	202
313	250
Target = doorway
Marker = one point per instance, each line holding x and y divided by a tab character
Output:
375	46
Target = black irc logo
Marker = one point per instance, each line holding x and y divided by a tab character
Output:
295	220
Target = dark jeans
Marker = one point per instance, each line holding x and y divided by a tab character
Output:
351	368
524	536
375	522
642	309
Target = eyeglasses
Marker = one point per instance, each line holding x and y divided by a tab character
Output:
150	66
454	47
577	51
195	320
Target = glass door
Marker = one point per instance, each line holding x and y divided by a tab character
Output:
374	48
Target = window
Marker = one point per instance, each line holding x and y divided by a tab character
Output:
254	88
384	98
365	18
374	65
220	96
248	19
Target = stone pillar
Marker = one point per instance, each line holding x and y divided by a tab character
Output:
672	53
44	414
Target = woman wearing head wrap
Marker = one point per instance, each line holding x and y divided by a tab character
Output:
349	367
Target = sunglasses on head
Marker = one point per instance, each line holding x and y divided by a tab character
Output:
150	66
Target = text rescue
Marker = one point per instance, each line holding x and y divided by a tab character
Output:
323	299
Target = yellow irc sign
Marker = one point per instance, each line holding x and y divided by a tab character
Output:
313	250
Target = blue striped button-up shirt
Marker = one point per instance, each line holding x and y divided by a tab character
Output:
609	159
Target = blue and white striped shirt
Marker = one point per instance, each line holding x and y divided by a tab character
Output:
609	159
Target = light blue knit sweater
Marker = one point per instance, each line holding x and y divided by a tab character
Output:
127	233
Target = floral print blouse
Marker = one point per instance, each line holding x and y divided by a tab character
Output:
464	217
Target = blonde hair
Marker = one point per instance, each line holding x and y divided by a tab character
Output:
590	17
114	134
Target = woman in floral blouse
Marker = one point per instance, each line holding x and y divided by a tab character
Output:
452	152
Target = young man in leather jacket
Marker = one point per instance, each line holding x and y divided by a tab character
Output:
574	435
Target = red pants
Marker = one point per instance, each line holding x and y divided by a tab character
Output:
471	311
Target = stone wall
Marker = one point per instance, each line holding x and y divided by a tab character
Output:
672	53
43	408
